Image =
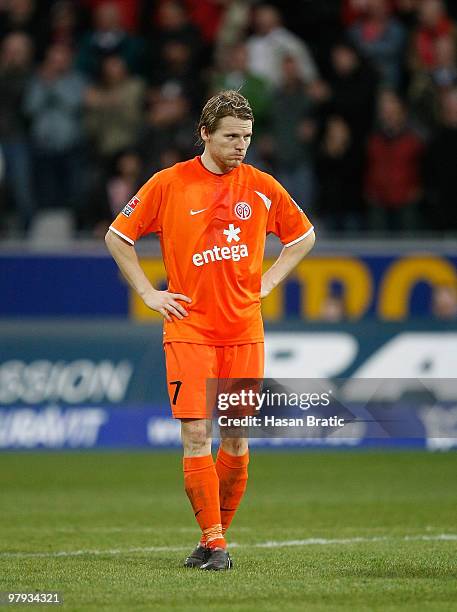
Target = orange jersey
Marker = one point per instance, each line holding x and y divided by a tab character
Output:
212	230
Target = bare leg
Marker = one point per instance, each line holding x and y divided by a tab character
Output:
196	437
234	446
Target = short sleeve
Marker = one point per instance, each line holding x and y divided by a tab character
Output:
285	218
142	214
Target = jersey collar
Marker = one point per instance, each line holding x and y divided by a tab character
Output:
215	175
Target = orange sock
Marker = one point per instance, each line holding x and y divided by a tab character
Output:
202	488
233	476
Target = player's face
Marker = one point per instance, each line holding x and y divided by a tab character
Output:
228	144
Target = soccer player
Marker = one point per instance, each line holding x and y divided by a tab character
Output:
212	214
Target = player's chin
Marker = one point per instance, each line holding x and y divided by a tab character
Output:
234	162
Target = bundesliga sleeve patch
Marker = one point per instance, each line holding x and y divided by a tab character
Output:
130	206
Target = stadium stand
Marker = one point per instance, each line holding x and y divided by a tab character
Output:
95	96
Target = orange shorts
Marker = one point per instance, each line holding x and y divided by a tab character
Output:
189	366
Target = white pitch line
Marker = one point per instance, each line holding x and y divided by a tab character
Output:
78	553
319	541
443	537
325	541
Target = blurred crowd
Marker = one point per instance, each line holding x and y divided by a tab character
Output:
355	104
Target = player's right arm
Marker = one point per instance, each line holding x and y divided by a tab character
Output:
127	260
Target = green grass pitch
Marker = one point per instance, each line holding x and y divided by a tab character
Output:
355	531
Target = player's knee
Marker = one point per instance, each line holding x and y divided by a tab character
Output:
235	446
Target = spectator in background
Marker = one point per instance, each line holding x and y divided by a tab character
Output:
333	309
381	38
169	157
169	126
393	183
271	43
442	169
173	25
314	21
15	70
129	11
176	69
234	74
114	109
60	27
353	87
234	24
433	25
339	166
109	37
207	16
113	190
452	9
444	302
429	86
407	12
53	104
444	74
125	181
352	11
405	9
19	16
293	130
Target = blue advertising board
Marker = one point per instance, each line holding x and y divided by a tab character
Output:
148	427
388	286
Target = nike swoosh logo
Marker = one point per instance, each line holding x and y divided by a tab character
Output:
195	212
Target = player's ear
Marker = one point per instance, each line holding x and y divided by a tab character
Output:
204	134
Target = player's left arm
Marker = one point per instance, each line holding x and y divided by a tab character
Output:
290	256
